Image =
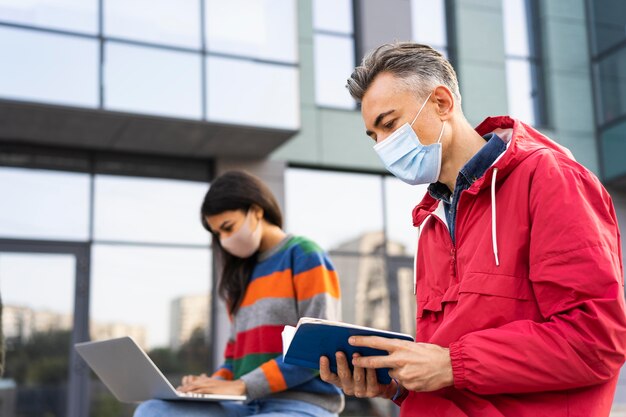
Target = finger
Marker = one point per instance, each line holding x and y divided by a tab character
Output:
326	374
360	383
373	387
377	342
375	361
344	373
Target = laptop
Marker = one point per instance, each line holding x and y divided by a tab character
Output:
131	375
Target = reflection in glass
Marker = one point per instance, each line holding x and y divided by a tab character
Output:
429	23
515	28
333	16
145	283
153	81
37	329
400	199
70	15
252	93
49	68
611	76
334	209
520	90
41	204
334	62
613	150
264	29
607	19
148	210
161	297
169	22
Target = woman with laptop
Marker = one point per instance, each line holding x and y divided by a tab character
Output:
268	279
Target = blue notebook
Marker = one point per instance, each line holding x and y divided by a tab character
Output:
303	345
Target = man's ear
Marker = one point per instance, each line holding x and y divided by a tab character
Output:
445	102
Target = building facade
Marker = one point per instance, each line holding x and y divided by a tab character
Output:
116	115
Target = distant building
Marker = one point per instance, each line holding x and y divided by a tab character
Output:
187	314
101	331
21	323
366	278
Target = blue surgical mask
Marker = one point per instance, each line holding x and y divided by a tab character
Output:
407	158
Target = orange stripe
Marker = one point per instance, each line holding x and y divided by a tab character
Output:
276	285
274	376
316	281
224	373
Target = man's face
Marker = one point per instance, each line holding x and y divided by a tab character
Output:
387	105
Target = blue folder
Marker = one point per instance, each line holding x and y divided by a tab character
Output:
323	338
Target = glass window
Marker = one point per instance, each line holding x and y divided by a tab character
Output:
70	15
37	321
333	16
40	204
611	76
166	22
607	23
48	68
149	80
515	28
161	298
252	93
148	210
400	199
613	150
519	89
522	70
429	23
263	29
336	210
334	62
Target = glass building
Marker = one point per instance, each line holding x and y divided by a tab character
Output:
115	115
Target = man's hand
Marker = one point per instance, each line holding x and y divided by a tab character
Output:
361	383
203	384
417	366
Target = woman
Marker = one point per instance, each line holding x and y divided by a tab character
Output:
268	279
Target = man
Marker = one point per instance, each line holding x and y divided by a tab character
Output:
520	287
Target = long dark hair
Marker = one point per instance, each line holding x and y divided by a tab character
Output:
237	190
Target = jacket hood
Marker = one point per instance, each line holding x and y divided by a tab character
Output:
522	140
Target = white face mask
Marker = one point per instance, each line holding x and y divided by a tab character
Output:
244	242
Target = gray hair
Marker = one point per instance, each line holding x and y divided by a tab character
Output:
419	68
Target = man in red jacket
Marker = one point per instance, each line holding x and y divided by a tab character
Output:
519	276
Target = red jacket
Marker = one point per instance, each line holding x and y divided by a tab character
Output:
530	301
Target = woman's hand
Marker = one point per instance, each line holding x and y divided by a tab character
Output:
203	384
361	383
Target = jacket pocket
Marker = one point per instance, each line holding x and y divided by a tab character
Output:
507	286
436	303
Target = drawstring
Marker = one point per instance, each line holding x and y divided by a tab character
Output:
494	238
419	230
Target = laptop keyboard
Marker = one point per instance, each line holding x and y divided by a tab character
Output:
193	395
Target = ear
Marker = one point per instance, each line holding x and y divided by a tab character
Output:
445	102
257	211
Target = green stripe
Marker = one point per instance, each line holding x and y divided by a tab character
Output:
307	246
250	362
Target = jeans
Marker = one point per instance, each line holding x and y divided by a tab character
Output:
261	407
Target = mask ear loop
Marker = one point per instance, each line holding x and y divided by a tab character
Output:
421	108
441	133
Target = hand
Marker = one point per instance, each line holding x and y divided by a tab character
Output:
417	366
203	384
361	383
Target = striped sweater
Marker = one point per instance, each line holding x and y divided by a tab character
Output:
292	280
